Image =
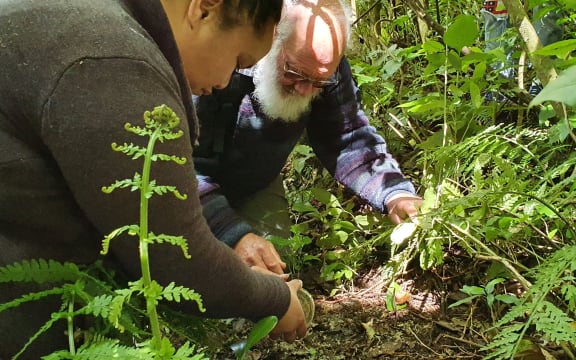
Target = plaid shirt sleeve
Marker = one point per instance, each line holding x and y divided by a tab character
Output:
350	148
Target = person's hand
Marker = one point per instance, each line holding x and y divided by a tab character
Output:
402	207
254	250
292	325
265	271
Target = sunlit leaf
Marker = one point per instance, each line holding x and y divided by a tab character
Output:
560	49
463	32
563	89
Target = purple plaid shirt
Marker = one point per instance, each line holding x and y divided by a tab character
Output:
257	148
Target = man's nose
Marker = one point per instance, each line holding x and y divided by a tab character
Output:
305	88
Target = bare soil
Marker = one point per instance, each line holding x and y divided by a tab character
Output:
359	324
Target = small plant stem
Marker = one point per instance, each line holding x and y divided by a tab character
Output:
143	236
70	319
492	255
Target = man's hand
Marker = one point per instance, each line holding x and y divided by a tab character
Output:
257	251
402	207
292	325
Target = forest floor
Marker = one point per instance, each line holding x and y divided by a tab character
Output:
362	324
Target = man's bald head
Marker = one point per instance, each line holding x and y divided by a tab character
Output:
315	29
309	44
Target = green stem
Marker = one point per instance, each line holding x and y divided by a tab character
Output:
144	258
70	319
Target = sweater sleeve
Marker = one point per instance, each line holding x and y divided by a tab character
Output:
350	148
85	113
222	219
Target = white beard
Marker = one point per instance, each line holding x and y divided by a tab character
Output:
277	102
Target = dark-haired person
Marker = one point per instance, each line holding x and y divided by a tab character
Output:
249	129
72	73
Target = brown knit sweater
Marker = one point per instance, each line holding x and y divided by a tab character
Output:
71	74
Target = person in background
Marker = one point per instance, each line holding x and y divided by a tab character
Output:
249	129
496	22
73	73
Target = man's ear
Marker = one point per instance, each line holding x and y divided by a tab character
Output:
200	9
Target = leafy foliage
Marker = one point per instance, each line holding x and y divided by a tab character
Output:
497	177
39	271
107	305
534	310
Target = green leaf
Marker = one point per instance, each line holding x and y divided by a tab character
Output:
472	290
563	89
325	197
258	332
560	49
492	284
463	301
463	32
361	220
507	298
475	95
432	47
365	79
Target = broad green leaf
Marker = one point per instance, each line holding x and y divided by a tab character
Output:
463	32
304	207
325	197
432	47
258	332
463	301
365	79
475	95
342	236
492	284
479	71
261	330
472	290
454	60
563	89
507	298
344	225
361	220
560	49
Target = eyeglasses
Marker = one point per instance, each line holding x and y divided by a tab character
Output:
294	76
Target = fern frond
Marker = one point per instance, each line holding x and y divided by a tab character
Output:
188	351
140	131
131	229
535	310
554	324
177	159
133	183
104	349
31	297
40	271
173	293
568	291
134	151
174	240
116	305
163	189
504	344
99	306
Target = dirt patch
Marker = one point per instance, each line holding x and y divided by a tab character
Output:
359	324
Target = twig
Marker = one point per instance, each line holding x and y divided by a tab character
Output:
461	340
420	341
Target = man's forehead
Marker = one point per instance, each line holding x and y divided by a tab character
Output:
317	31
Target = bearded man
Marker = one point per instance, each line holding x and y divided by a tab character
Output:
249	129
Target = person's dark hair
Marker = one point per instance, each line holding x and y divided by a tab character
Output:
258	13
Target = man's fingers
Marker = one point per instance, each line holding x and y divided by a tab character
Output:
265	270
274	263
